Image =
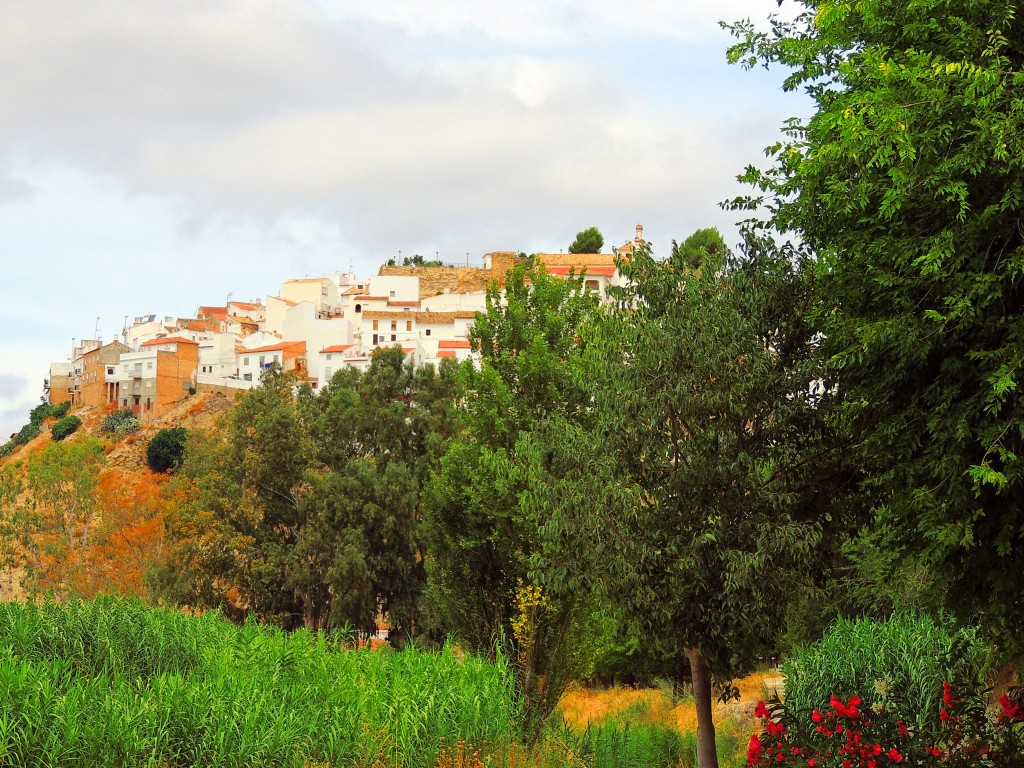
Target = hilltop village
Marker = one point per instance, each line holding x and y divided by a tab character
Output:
312	327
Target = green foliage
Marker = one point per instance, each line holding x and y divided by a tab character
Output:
167	448
312	503
903	661
706	385
65	427
33	429
490	576
45	411
907	182
111	683
121	422
702	244
615	743
590	240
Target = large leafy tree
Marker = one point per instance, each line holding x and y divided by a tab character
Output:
489	575
308	513
907	181
711	409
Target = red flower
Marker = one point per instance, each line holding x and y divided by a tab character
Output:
754	750
1012	711
894	755
816	715
761	710
947	694
943	715
811	763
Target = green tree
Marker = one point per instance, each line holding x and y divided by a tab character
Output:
590	240
166	450
489	576
64	427
907	182
308	513
55	525
701	244
706	382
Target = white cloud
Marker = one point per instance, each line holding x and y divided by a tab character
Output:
250	124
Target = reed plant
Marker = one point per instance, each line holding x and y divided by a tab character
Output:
902	661
113	683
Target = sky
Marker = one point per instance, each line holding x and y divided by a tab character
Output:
156	155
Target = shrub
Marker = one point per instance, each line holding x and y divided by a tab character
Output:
166	450
66	426
908	654
61	410
850	734
120	423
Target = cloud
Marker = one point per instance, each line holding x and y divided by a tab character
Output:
11	385
566	22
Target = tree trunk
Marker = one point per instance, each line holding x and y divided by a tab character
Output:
707	754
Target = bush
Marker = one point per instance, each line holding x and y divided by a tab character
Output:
850	734
908	654
66	426
166	450
870	694
120	423
45	411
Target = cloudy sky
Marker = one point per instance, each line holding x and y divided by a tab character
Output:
158	154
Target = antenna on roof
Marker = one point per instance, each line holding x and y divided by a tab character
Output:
97	332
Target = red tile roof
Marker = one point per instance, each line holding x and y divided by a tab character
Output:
168	340
403	303
452	344
280	347
289	302
245	305
560	270
337	348
446	353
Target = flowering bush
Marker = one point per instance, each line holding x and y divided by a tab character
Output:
850	734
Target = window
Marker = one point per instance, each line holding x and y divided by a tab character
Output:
593	285
375	325
149	404
375	338
327	372
391	294
277	358
393	337
408	325
125	402
394	325
149	365
359	307
428	331
245	361
327	357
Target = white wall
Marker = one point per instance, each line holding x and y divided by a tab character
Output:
217	355
455	302
405	287
302	324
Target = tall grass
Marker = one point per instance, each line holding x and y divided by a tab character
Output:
902	661
112	683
